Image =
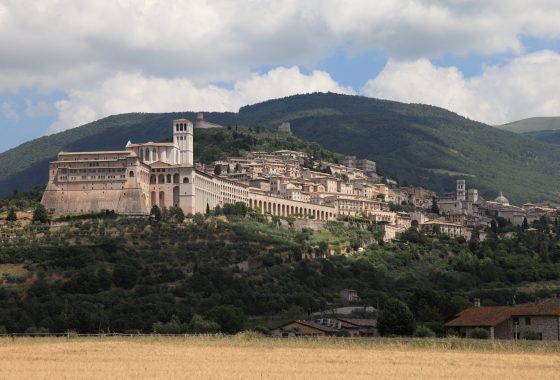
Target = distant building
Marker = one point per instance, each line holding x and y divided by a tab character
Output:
285	127
200	123
355	327
349	295
362	164
303	328
541	318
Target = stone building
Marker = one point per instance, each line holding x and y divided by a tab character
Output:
133	180
541	318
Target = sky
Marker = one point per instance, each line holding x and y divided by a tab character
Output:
64	63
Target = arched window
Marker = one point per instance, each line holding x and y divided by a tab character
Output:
169	178
161	178
186	180
131	174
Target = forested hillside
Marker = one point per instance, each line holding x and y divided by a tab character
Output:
242	271
417	144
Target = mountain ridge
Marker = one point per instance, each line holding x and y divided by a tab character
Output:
418	144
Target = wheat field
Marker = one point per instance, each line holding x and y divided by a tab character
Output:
230	358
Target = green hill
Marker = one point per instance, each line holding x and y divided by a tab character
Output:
127	275
417	144
533	124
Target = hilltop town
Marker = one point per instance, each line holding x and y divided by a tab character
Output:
282	183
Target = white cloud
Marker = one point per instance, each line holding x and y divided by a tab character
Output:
525	87
38	109
9	111
134	92
61	44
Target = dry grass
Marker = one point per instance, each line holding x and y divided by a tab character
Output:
13	269
238	358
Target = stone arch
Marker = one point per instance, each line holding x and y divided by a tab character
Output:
169	178
131	173
176	178
153	179
161	178
153	198
161	199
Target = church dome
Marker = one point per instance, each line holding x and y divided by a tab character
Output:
501	199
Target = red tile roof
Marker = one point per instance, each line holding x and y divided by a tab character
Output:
481	316
311	324
493	315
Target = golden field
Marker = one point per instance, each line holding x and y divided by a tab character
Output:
259	358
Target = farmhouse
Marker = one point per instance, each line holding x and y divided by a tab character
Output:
541	319
303	328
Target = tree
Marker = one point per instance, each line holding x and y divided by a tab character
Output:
434	209
198	218
218	169
396	319
176	214
230	318
494	226
155	214
40	214
125	276
12	216
525	224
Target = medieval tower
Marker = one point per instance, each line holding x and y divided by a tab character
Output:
183	139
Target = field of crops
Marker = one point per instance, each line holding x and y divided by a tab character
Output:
246	357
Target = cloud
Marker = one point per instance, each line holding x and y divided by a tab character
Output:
62	44
38	109
135	92
9	111
524	87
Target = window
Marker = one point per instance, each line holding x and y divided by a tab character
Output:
131	174
528	321
515	320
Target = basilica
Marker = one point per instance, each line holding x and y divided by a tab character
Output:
132	180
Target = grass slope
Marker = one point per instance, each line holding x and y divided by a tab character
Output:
416	143
532	124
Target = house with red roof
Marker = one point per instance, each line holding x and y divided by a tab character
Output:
541	318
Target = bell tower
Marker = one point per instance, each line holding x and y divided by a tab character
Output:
183	140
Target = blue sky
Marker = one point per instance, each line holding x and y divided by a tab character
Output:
67	63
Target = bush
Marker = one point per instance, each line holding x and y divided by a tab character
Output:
424	332
530	335
261	330
174	326
199	325
478	333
